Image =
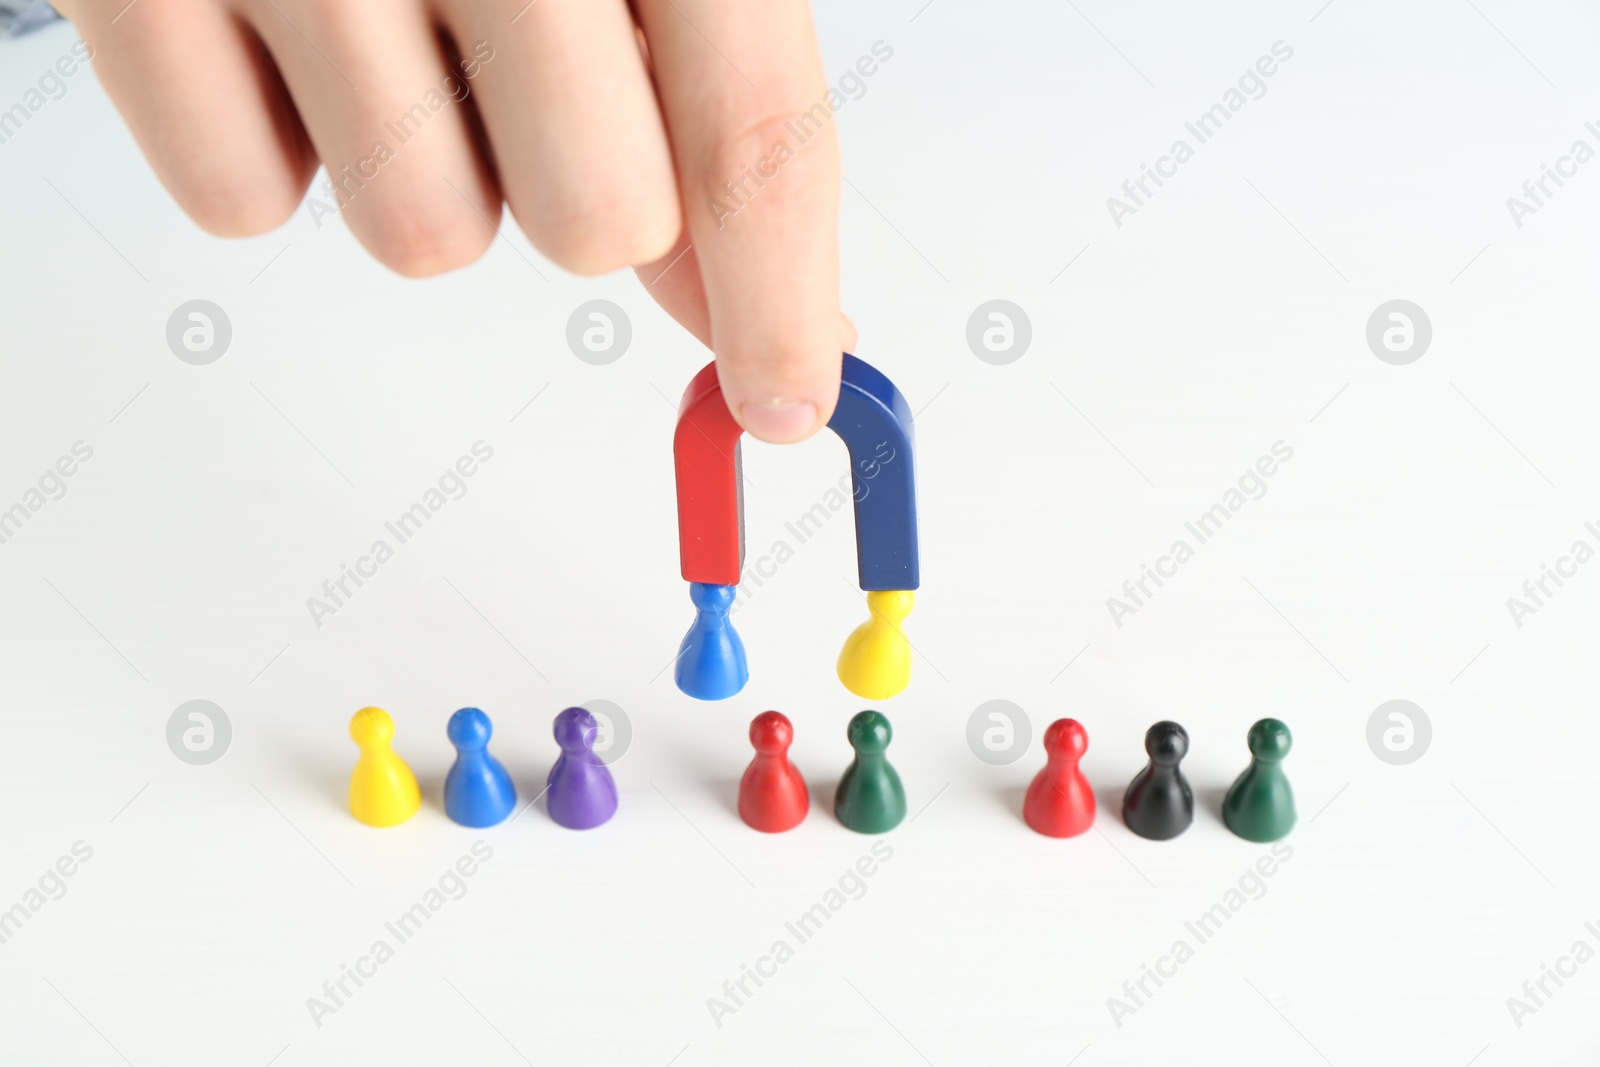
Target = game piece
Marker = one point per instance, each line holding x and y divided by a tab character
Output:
875	662
711	663
1260	805
874	422
870	799
1159	804
772	795
581	793
383	791
477	791
1060	801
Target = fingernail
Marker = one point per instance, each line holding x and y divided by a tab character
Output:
779	420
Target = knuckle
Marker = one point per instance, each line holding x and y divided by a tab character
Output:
605	229
783	161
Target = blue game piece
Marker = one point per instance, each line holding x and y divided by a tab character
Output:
581	792
711	663
477	791
874	421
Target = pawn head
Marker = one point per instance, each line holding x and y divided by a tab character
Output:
771	733
869	733
371	728
1066	737
717	598
576	729
1167	742
892	604
1269	740
469	728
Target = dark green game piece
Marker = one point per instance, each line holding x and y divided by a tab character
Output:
871	799
1260	804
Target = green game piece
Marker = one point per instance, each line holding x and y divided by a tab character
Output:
871	799
1260	805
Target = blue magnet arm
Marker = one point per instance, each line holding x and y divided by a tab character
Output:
874	421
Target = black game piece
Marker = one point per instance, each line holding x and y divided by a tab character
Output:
1159	804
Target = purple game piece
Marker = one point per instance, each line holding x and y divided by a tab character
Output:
582	794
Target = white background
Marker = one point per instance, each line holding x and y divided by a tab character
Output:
1226	315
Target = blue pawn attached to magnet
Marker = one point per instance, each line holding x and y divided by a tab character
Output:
711	663
477	791
580	791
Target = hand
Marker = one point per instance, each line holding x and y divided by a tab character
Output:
610	130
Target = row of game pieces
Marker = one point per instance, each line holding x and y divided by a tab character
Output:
580	792
870	798
1060	802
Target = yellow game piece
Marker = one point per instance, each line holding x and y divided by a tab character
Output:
875	663
383	791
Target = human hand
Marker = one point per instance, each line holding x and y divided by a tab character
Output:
610	129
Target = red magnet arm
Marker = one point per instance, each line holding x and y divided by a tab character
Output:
705	454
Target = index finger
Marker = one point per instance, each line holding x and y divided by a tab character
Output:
745	100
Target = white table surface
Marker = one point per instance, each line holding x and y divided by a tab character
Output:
1228	314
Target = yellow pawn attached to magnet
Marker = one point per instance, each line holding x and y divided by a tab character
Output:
875	663
383	791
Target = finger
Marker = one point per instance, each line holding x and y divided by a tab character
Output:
389	113
758	170
205	105
673	281
578	137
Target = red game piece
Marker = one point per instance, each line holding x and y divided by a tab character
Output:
1060	802
772	795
